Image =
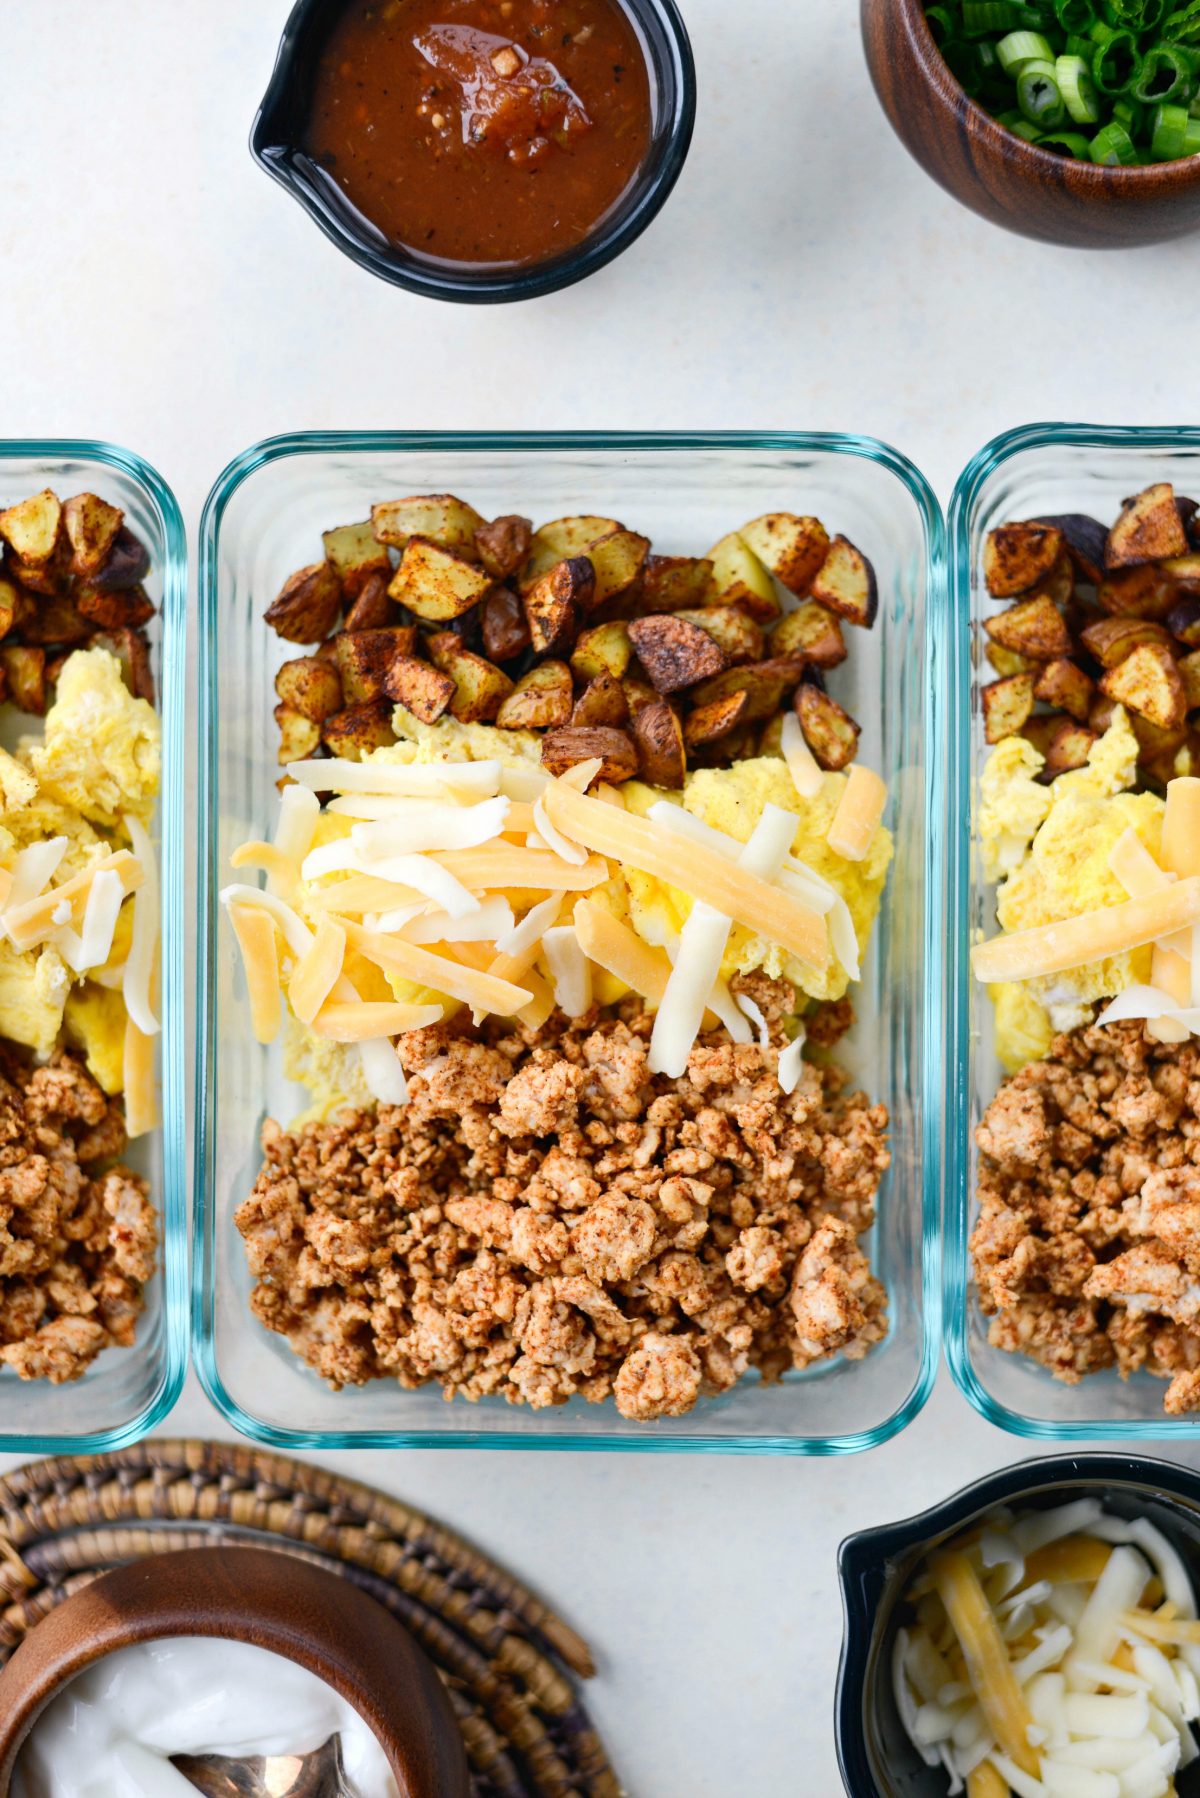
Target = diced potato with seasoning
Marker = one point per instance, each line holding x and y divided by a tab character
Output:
436	584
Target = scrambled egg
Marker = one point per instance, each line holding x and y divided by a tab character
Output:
1050	848
98	758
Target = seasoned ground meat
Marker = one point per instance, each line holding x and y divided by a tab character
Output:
1087	1248
547	1219
77	1234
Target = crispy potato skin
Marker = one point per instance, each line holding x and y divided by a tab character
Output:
675	653
1148	529
566	748
372	610
603	703
308	605
1066	687
91	525
1034	628
830	732
480	688
661	754
845	583
357	729
555	604
437	584
504	625
543	700
420	689
1017	557
1148	682
672	583
503	545
813	633
1007	705
311	687
709	723
793	548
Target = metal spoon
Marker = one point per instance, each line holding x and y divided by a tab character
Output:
316	1775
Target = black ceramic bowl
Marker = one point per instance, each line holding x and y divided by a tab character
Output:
876	1757
279	129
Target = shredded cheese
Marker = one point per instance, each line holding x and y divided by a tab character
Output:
569	971
524	783
554	839
428	824
505	867
141	963
859	813
32	923
420	873
484	992
525	935
318	971
33	869
299	810
492	919
254	928
382	1071
140	1086
621	952
296	933
366	1020
802	764
407	778
283	876
1090	936
92	947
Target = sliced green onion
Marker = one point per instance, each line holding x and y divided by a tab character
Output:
979	16
1169	133
1082	47
1020	47
1166	75
1118	64
1075	15
942	23
1112	146
1131	115
1027	129
1191	137
1067	143
1039	97
1078	90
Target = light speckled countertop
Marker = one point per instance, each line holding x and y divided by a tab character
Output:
159	291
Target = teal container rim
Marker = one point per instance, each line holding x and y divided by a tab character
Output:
956	1274
172	699
273	449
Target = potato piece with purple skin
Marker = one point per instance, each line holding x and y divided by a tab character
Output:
1148	529
420	689
298	736
1067	747
127	565
480	688
617	563
1085	538
504	626
1112	639
674	653
542	700
1184	622
765	685
709	723
671	583
830	732
740	579
737	637
555	604
1018	557
661	755
792	548
602	702
845	583
566	748
1149	682
603	649
126	609
436	584
439	518
1066	687
1142	592
363	658
503	545
1034	628
1007	705
91	525
308	605
812	632
372	609
356	556
33	528
56	621
358	729
133	653
638	692
1100	716
310	686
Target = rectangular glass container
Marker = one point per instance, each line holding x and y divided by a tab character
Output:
126	1392
1041	469
263	519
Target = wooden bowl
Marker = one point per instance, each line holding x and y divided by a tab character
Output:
273	1601
1015	184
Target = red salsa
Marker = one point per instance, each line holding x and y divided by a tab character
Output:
482	131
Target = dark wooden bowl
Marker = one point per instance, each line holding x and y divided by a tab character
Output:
274	1601
1015	184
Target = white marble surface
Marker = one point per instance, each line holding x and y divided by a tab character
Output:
159	291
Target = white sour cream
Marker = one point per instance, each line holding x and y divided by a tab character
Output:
116	1726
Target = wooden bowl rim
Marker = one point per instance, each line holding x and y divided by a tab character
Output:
1085	177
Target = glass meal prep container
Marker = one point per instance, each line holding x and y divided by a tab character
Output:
263	519
1036	471
126	1392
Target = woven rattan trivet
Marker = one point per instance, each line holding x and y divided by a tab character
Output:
505	1658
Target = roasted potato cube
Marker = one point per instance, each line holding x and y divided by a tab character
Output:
420	689
15	604
709	723
846	584
372	610
1066	687
47	579
1112	639
674	653
1148	681
480	688
311	687
128	608
555	603
133	653
91	525
128	563
32	529
1154	740
58	621
669	583
740	579
363	659
352	733
436	517
1148	529
812	632
604	649
1059	584
1085	539
736	635
298	735
617	560
602	702
1184	622
435	583
1034	628
658	733
356	556
1007	705
1184	570
1142	592
503	545
792	548
308	605
505	626
543	700
639	692
1100	716
764	684
1189	669
1017	557
1007	661
1068	746
566	748
561	541
830	733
